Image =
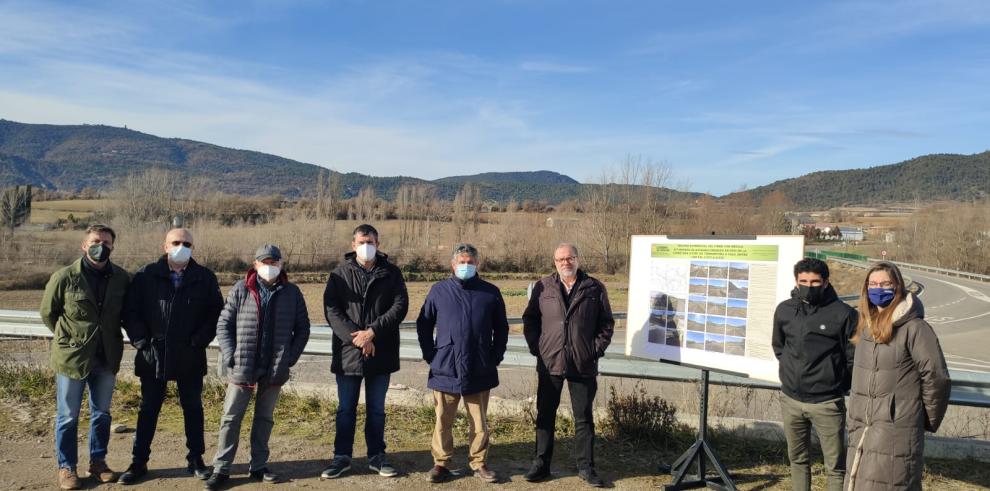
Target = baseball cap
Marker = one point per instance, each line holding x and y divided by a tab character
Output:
268	251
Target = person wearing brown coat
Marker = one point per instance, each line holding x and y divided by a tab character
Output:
900	386
568	325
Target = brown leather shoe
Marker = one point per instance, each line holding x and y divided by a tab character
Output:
68	479
486	474
101	472
439	473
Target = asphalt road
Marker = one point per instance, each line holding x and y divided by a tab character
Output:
959	311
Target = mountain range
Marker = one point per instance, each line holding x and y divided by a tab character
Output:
75	157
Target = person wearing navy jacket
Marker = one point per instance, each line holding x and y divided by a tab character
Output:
471	335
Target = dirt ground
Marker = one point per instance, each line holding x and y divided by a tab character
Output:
28	463
27	453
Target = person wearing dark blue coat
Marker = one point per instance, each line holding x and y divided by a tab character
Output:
471	334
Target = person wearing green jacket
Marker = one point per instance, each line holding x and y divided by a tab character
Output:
82	307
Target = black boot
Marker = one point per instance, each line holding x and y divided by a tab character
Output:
199	469
537	472
133	474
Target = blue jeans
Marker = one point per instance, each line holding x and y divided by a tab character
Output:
348	392
152	396
68	400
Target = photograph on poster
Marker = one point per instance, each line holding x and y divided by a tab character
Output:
697	303
715	324
738	289
718	269
735	346
698	286
738	271
717	305
735	327
661	301
714	343
736	308
696	322
695	340
717	288
657	336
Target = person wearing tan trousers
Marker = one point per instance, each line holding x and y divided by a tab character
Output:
471	335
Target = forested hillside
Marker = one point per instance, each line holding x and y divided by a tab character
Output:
927	178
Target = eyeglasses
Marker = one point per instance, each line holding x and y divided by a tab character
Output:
178	242
886	284
568	259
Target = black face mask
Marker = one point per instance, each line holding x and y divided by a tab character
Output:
99	253
811	295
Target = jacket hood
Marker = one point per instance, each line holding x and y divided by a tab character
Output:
910	308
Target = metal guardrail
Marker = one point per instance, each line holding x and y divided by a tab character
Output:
859	260
968	388
933	269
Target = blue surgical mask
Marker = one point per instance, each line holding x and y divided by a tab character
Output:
881	297
465	271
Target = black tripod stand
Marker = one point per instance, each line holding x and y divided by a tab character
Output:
698	451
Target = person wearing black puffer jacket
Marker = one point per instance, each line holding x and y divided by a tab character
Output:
812	334
171	316
365	301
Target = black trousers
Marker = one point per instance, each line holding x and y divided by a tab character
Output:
152	396
582	392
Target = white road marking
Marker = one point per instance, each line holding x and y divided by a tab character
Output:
966	318
972	293
958	364
949	355
967	290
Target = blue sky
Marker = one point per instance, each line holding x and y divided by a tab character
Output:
727	94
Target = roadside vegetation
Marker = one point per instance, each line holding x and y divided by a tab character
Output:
638	432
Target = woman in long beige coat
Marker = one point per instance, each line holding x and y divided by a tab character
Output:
900	386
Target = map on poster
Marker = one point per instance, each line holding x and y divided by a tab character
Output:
709	302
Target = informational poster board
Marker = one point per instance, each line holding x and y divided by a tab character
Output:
709	302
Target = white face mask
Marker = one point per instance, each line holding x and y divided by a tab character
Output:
179	254
366	252
269	272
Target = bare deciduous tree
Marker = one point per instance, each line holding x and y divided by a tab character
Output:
465	210
15	207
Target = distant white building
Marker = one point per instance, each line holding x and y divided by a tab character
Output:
852	233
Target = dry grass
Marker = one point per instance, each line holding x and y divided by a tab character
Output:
49	211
